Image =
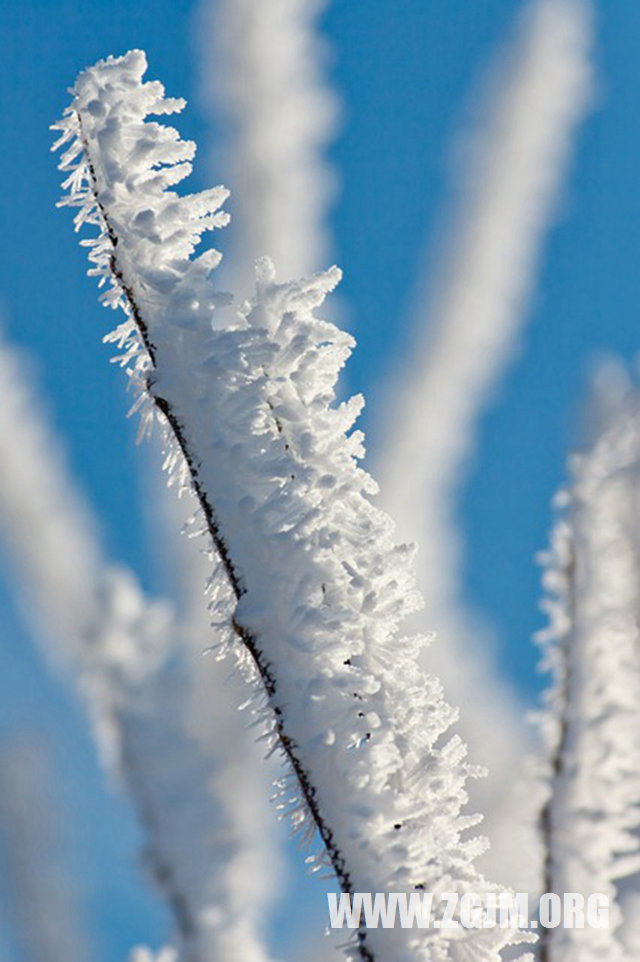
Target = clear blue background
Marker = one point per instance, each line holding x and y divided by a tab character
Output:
404	71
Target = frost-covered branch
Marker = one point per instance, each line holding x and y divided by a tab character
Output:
509	175
38	893
309	585
274	157
130	660
591	820
247	850
261	79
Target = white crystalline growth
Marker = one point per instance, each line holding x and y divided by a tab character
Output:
592	647
314	586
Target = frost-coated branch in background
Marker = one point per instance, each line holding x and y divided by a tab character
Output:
591	820
465	331
128	658
308	585
143	954
262	79
40	898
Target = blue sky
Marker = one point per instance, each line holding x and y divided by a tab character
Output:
405	73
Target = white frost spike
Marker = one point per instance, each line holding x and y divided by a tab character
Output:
316	585
591	820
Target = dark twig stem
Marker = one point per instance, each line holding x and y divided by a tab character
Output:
547	825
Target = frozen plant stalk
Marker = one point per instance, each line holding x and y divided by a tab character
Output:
472	306
124	652
309	584
591	818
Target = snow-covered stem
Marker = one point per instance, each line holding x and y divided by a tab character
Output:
591	820
309	584
559	581
37	888
126	655
267	95
262	81
251	865
470	311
